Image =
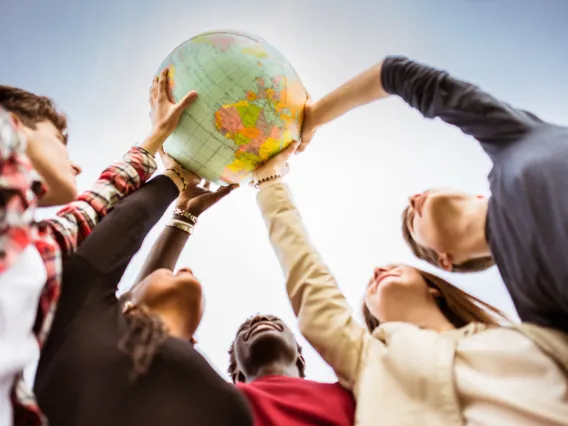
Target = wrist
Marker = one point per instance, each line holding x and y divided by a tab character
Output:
183	220
266	180
265	173
316	116
186	215
175	178
155	140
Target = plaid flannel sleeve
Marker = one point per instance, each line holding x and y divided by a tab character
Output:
74	222
19	187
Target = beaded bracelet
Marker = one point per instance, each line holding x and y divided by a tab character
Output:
266	179
180	176
187	215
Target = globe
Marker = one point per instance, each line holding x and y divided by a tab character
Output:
250	104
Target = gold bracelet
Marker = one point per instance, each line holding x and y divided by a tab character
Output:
186	214
183	226
180	176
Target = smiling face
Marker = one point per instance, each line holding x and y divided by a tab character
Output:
405	294
261	341
396	289
166	292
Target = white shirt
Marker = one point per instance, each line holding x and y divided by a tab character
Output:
503	378
20	289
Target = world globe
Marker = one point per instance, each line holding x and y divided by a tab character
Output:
250	104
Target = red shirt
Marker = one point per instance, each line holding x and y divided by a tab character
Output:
291	401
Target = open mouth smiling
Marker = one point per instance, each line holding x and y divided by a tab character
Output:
261	327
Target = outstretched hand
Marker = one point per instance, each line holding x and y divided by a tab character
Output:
309	127
165	112
277	165
196	200
191	179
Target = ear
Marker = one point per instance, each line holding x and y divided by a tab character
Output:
434	292
127	306
301	362
17	123
445	261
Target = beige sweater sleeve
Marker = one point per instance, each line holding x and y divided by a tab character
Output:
324	317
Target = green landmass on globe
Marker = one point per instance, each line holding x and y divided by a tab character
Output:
250	104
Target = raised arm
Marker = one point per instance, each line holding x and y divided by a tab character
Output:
74	222
190	205
434	93
324	316
99	263
77	219
120	235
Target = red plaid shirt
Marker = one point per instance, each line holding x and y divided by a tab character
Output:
55	238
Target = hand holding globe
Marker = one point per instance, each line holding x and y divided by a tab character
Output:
250	105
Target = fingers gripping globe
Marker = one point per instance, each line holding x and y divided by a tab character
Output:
250	104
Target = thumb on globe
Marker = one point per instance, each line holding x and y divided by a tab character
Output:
188	99
290	149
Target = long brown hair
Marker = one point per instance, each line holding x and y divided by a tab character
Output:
430	256
459	307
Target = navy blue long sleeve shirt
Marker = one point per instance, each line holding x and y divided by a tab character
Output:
527	219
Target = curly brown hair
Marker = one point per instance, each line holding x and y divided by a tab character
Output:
233	370
459	307
430	256
146	333
32	109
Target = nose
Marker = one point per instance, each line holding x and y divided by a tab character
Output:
76	169
379	272
412	200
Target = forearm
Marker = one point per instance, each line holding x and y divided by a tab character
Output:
324	316
74	222
120	235
360	90
165	252
154	141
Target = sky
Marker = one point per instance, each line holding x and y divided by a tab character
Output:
96	60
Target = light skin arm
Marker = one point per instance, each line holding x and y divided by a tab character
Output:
434	93
77	219
358	91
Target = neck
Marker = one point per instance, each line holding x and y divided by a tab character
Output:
175	324
275	369
474	244
427	317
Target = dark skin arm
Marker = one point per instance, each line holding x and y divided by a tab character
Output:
166	250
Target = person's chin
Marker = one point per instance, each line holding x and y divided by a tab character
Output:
53	198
